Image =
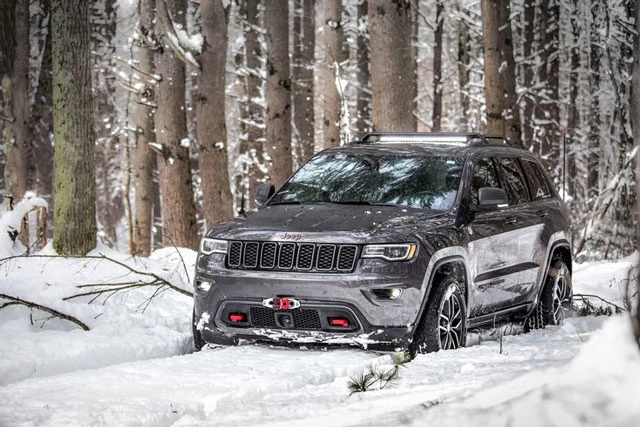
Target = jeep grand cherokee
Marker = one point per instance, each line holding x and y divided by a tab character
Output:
396	241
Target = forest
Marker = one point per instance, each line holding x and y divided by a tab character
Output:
142	123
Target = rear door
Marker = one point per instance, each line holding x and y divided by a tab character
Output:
493	245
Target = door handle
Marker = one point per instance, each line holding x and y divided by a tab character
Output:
510	220
542	213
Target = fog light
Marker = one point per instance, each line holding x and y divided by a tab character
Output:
386	293
203	285
340	322
237	317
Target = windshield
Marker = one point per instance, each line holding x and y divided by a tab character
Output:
428	182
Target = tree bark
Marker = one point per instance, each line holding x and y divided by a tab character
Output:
176	190
392	71
510	107
437	68
528	34
334	56
278	126
594	82
492	83
303	94
74	230
363	101
212	131
144	123
464	65
17	151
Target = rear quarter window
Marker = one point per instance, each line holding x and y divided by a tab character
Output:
538	185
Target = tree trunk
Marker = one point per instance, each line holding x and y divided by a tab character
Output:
42	120
278	126
492	82
437	68
212	131
74	231
334	56
635	121
594	80
17	151
573	118
392	71
176	191
255	111
143	120
303	94
363	101
464	65
528	34
510	107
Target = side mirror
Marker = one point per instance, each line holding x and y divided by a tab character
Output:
490	198
264	193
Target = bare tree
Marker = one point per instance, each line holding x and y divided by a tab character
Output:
492	83
74	183
17	148
334	56
392	72
437	67
278	126
144	134
303	93
178	207
363	101
510	107
212	131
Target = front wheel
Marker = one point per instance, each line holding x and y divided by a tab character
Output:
444	323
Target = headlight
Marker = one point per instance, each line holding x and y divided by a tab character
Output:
392	252
209	246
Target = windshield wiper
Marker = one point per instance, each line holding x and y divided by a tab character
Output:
362	203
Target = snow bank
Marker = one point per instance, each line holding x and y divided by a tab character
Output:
11	223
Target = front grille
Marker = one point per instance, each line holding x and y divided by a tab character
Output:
283	256
263	317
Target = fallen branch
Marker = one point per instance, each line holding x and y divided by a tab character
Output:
585	297
15	301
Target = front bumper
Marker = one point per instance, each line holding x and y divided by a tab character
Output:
373	322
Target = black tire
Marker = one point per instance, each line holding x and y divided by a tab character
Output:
198	342
444	322
556	299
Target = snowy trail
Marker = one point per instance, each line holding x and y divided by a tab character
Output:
255	385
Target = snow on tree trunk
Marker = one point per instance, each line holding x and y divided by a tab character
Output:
74	230
303	71
635	121
210	107
17	149
392	72
144	123
278	125
334	55
176	191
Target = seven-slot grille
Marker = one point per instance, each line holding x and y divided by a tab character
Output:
281	256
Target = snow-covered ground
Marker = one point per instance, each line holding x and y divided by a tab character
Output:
134	366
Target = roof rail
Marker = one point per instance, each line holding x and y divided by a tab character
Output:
435	138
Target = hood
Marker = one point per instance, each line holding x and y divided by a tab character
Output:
330	222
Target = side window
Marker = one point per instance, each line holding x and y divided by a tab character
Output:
514	181
484	175
538	186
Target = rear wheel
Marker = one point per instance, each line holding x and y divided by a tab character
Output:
556	299
444	323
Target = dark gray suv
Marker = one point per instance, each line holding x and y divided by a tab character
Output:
395	242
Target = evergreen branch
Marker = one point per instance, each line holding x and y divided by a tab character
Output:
56	313
584	297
